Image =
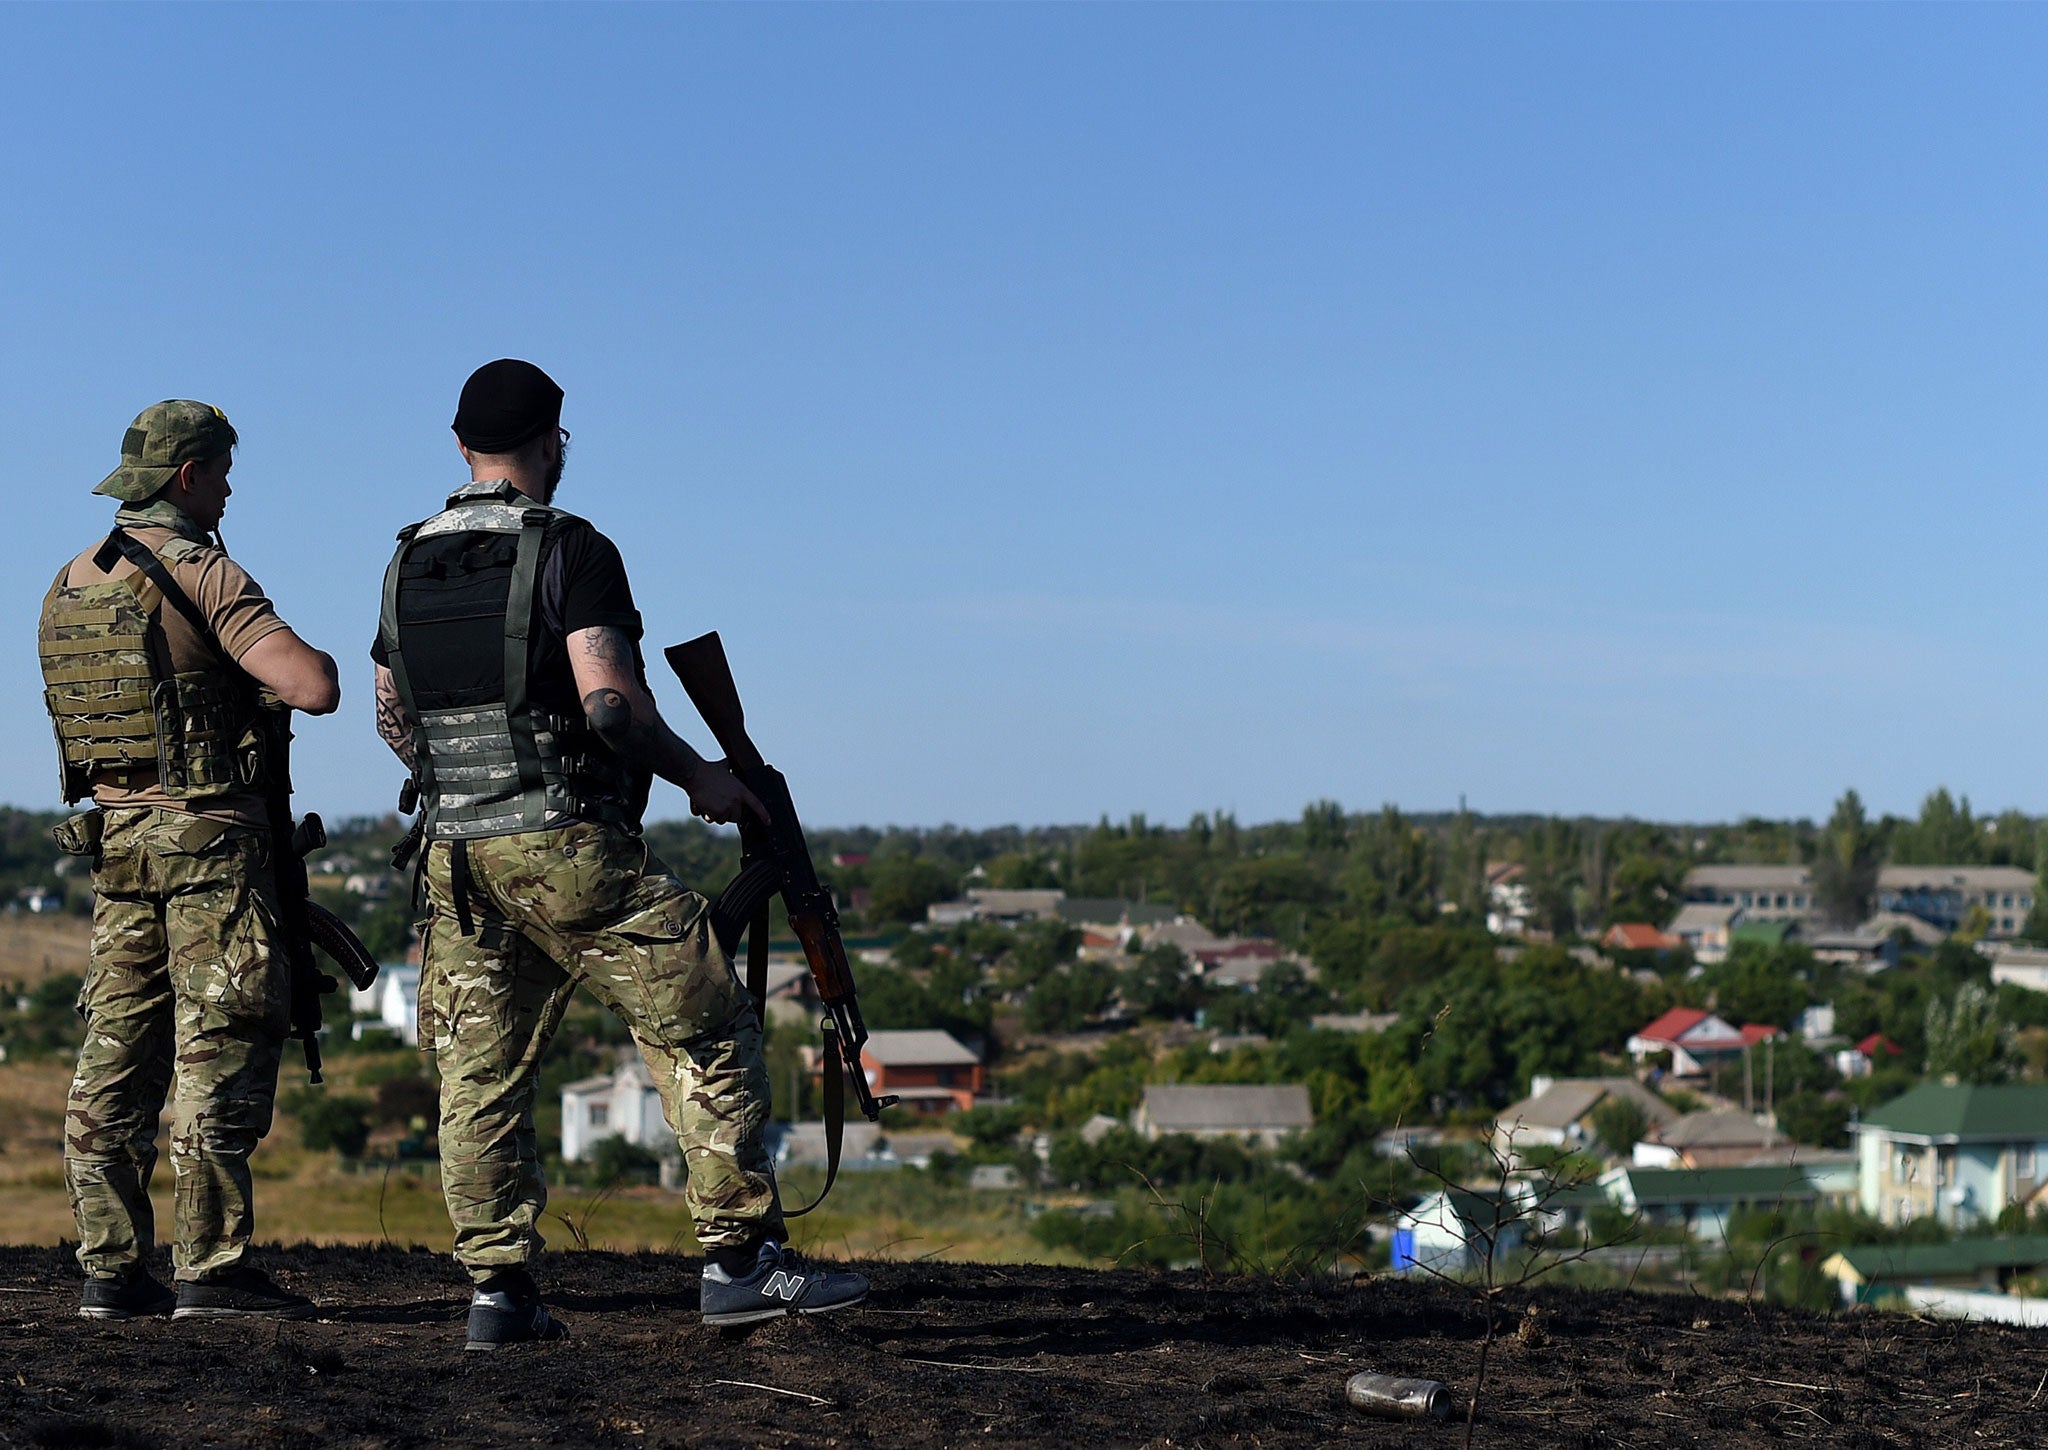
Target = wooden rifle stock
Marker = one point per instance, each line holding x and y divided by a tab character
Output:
701	665
779	843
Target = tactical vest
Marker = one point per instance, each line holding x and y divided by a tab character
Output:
117	706
490	767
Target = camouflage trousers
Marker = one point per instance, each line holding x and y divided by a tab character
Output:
585	904
186	1001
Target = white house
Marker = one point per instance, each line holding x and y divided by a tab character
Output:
1261	1112
621	1104
1705	927
2023	966
394	999
1452	1230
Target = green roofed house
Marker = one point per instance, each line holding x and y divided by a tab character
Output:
1702	1200
1960	1153
1868	1272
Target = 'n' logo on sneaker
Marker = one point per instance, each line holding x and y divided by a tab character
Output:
784	1286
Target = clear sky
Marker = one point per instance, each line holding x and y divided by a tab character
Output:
1077	409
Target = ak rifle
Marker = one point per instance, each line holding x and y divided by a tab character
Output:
303	922
774	857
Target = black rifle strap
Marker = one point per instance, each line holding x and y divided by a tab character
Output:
834	1084
757	963
125	545
459	884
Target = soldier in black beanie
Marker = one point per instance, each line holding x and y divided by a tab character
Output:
510	680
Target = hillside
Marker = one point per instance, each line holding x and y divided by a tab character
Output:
952	1354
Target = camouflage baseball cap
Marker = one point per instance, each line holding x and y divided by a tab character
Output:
173	432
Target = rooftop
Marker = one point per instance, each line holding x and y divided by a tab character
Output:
924	1047
1966	1110
1957	1257
1186	1107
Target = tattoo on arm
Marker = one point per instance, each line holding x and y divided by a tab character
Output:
640	739
391	721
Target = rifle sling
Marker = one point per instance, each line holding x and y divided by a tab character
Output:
835	1116
460	883
121	542
757	962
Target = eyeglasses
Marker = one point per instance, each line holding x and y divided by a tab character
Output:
563	433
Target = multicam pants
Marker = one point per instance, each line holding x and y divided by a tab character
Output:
185	999
585	904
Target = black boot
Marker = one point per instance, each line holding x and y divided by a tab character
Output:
133	1295
506	1309
241	1293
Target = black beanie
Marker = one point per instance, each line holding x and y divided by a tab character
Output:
504	404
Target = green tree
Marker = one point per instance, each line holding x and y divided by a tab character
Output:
1845	871
901	887
614	1160
1759	983
337	1121
1965	1039
1620	1123
1066	997
1815	1119
1158	984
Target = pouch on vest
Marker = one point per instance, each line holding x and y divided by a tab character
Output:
80	835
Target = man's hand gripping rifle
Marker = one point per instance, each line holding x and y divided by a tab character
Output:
774	857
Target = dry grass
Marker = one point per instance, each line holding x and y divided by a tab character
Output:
33	948
315	1197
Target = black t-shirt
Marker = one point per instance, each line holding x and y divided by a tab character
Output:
582	585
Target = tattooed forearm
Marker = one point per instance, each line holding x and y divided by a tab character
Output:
391	721
636	731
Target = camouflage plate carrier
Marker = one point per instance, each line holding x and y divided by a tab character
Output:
117	706
506	766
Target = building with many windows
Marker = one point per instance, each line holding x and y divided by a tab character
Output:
1942	896
1958	1153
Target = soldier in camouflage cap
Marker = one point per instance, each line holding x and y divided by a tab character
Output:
186	1002
509	679
162	440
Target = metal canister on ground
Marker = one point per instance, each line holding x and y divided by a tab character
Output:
1395	1398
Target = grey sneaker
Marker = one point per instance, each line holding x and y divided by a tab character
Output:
242	1293
506	1310
131	1296
781	1282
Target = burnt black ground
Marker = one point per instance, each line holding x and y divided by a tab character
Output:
951	1354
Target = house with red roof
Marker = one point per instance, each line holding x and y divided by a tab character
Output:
1862	1059
1638	936
1696	1040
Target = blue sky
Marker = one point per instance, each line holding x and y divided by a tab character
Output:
1065	410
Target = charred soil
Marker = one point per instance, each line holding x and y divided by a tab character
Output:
961	1354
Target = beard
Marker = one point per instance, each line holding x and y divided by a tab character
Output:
554	475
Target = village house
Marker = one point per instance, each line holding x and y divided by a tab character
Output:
1703	1200
1558	1113
1869	1273
1263	1113
2019	966
621	1104
1696	1040
1704	928
1867	1055
1637	936
1508	903
1713	1138
1959	1153
392	1001
933	1072
1453	1231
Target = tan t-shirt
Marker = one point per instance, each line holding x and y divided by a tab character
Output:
240	614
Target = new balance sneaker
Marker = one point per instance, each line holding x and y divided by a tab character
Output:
780	1282
241	1293
133	1295
506	1309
